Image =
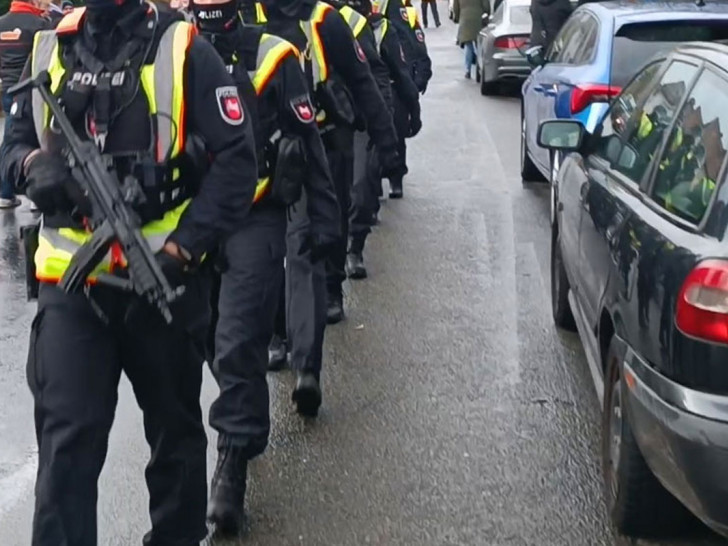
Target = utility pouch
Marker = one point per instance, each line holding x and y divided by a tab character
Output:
291	170
29	234
335	99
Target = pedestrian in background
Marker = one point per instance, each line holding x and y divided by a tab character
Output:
469	16
433	7
548	17
17	29
54	12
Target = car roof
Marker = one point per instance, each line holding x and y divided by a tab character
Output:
635	10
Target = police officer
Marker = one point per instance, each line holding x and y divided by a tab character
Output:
290	156
367	174
141	86
339	77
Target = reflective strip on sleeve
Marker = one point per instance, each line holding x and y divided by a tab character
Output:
271	52
45	57
354	19
318	55
380	31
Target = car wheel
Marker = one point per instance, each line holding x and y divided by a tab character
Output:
529	172
488	88
555	166
560	308
638	504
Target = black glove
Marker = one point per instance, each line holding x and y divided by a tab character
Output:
174	269
321	246
390	161
52	187
415	125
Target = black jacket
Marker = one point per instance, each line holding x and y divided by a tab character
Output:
225	192
548	17
283	104
17	29
393	56
347	60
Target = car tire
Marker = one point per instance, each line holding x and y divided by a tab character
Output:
529	171
488	88
639	506
560	308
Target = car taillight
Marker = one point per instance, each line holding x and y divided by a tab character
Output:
702	304
510	42
585	94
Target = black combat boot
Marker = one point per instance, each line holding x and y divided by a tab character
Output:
334	308
225	512
307	394
277	353
355	266
395	187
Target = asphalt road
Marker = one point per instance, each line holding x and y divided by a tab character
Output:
454	412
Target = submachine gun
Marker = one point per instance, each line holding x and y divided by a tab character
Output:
113	218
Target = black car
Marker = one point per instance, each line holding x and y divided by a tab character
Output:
639	265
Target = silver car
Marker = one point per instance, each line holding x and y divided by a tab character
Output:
501	46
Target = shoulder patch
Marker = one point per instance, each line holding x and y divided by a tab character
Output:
303	108
403	14
420	35
228	102
359	52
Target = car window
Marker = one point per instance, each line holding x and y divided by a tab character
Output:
562	38
588	46
648	123
694	151
615	121
497	18
635	43
572	50
520	15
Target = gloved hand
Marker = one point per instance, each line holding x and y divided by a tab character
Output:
51	186
415	125
174	269
321	246
390	161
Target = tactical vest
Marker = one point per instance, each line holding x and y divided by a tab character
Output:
271	51
163	84
315	52
380	31
354	19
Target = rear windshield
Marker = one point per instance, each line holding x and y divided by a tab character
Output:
636	43
521	15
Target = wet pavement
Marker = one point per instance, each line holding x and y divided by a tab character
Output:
454	412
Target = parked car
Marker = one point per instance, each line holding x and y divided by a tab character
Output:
639	263
501	44
597	51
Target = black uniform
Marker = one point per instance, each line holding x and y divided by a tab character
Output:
80	345
367	173
347	63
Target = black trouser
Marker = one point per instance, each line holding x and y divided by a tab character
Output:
339	145
305	295
74	364
401	124
248	300
433	6
365	192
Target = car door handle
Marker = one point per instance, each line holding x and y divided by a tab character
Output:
550	91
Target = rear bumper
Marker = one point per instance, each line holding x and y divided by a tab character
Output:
683	435
506	66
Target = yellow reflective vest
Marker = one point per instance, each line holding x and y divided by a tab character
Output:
163	84
354	19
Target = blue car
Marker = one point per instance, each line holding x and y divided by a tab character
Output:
598	51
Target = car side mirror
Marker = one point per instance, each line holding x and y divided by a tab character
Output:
535	56
561	135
